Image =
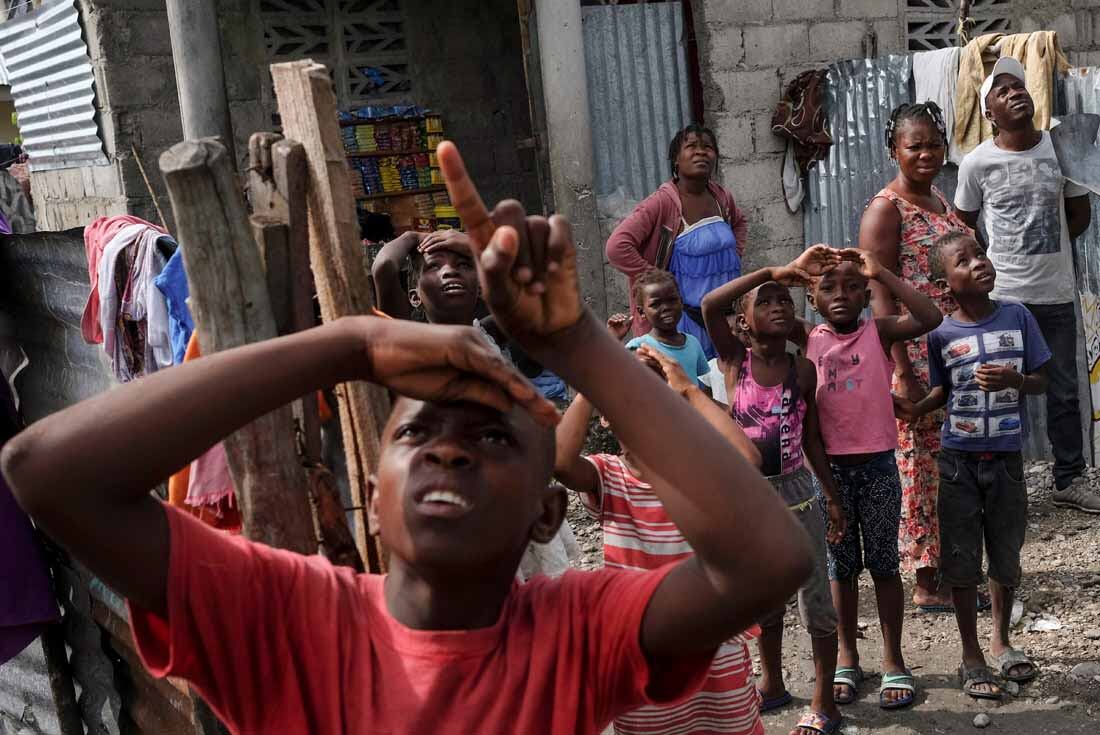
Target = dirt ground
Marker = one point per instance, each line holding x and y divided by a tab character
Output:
1059	626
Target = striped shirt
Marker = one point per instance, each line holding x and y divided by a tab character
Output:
638	534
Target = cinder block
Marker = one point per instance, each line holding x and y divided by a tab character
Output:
749	91
736	12
775	45
868	9
734	135
764	140
726	50
149	34
141	82
890	37
152	127
1065	25
754	181
831	42
106	180
803	9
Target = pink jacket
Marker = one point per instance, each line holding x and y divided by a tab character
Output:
632	247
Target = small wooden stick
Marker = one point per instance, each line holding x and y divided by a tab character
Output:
149	186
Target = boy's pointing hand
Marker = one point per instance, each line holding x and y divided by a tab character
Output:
527	265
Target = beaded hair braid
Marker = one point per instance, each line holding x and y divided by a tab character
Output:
906	112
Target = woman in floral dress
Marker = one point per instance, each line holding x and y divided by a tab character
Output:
899	226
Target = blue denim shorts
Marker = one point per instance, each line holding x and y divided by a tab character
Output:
870	494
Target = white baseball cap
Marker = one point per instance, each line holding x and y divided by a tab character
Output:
1004	65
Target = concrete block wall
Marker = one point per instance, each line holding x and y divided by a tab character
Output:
466	62
1076	21
749	50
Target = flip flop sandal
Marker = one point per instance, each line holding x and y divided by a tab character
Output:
898	680
851	678
1013	657
767	705
970	678
818	722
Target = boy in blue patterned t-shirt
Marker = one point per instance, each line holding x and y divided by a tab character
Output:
982	360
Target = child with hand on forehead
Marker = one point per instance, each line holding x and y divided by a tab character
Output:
657	298
443	282
853	365
773	400
461	487
982	360
639	534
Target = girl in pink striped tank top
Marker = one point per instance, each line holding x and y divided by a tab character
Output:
851	359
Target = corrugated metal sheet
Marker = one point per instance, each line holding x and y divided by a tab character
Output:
638	93
1079	91
860	95
52	85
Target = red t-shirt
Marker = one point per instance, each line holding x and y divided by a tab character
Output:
277	642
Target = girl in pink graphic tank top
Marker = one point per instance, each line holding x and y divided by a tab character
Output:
854	369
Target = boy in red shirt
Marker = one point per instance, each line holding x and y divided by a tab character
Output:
447	641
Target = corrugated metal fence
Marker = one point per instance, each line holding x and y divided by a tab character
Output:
52	85
859	96
1080	92
638	92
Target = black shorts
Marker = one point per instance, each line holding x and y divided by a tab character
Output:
982	498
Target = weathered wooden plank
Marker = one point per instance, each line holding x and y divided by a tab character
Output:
307	107
278	174
230	302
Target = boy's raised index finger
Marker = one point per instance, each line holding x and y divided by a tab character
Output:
464	195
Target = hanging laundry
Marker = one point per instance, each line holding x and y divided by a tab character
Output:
204	488
800	118
935	78
172	282
1042	57
97	236
27	603
133	313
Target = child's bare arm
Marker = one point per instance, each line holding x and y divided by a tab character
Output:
714	308
386	270
715	415
92	495
923	316
750	554
936	398
813	451
570	469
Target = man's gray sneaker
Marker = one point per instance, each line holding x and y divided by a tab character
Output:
1079	496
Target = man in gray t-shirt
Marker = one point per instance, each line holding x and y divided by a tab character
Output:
1031	211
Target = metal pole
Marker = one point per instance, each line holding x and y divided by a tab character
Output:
200	77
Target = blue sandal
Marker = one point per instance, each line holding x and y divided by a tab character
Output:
898	680
850	677
767	705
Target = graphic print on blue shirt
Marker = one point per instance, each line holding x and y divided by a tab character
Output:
977	420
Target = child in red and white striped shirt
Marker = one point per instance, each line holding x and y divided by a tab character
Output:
638	534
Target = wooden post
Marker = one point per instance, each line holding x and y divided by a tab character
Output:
277	184
231	306
307	107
